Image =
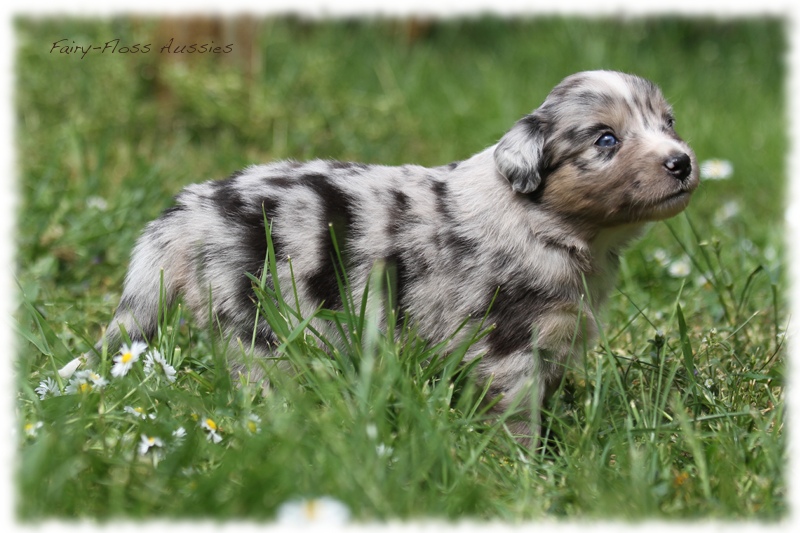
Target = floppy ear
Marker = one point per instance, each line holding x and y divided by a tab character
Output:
520	152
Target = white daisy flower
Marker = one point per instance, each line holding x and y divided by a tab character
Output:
128	355
77	385
153	358
149	442
383	451
97	380
253	423
47	387
703	281
213	430
31	428
85	381
680	268
139	412
716	169
97	202
179	433
323	510
728	211
661	257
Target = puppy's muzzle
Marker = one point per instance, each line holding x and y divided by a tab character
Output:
679	166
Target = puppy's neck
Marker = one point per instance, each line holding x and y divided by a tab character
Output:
591	243
614	239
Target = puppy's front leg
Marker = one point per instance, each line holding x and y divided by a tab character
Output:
526	378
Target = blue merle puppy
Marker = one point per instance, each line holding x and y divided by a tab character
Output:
537	220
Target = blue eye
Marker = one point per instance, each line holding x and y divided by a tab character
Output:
607	140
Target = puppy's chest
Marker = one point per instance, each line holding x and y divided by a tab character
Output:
576	289
600	279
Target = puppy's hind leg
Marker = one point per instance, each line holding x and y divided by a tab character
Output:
517	381
158	271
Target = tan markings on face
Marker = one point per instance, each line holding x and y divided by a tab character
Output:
624	183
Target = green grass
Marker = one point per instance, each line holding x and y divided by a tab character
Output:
677	413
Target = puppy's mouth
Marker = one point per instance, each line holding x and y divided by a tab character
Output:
671	205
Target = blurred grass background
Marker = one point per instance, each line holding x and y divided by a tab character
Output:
105	141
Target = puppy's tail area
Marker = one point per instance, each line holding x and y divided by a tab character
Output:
151	285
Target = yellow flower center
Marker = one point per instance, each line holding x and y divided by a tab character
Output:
211	424
28	427
252	426
126	357
151	440
84	387
311	509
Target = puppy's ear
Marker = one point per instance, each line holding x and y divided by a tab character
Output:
519	154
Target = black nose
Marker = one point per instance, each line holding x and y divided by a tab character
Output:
680	166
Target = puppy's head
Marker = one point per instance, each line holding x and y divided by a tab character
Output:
602	149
